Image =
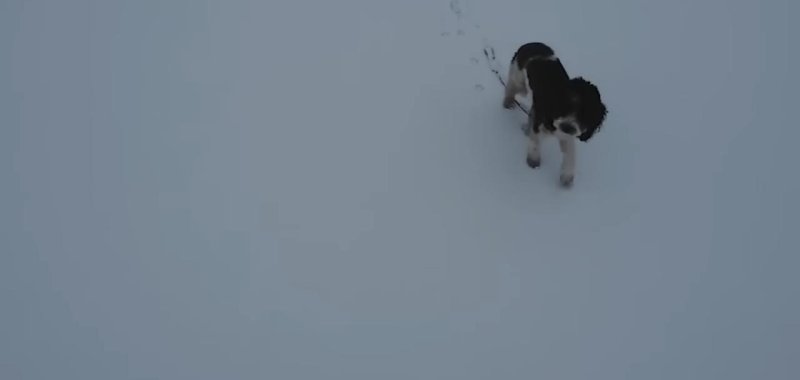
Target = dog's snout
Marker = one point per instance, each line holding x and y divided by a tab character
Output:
568	128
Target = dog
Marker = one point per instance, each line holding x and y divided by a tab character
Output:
568	108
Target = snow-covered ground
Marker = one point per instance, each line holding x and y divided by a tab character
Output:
242	189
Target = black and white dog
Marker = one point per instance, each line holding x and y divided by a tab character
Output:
564	107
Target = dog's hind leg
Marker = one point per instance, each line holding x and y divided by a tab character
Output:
516	84
534	158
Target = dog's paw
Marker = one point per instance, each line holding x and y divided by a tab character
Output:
533	162
508	103
567	180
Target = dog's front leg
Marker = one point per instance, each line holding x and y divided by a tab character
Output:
534	158
567	144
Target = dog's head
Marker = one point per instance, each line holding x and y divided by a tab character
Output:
586	110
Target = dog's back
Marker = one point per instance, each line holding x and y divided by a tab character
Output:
547	78
535	66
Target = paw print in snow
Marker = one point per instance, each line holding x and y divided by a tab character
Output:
455	6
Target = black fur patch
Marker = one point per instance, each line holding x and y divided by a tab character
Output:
591	112
555	95
529	51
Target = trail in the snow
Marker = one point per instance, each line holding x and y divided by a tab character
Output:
487	49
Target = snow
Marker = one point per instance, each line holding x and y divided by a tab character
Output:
331	190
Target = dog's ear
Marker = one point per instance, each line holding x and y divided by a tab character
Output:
588	133
592	112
